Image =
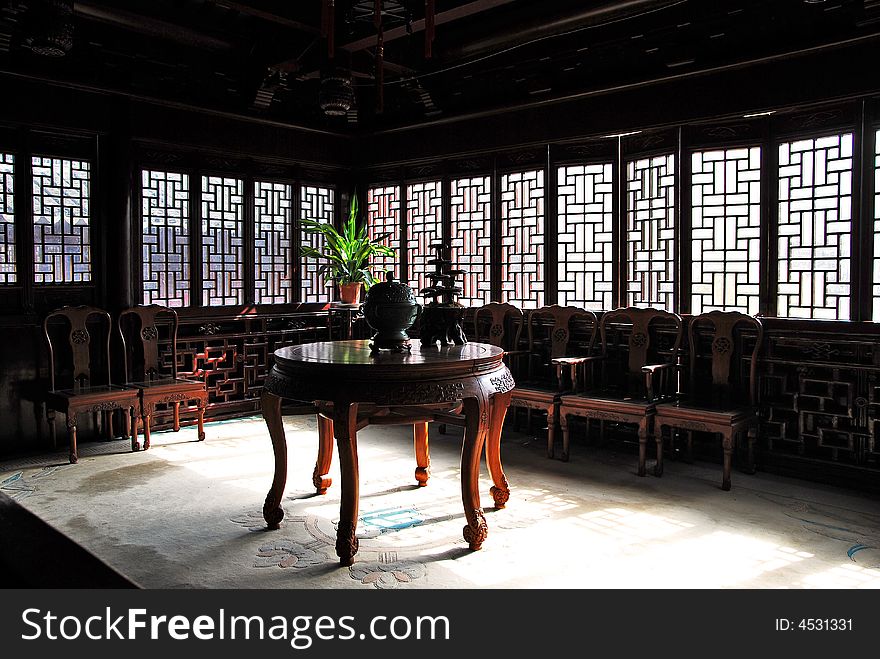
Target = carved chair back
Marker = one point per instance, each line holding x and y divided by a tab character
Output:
556	331
85	350
499	324
143	323
723	354
632	338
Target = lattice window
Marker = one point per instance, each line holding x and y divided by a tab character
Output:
317	204
522	239
471	211
272	248
424	207
726	230
876	316
165	237
383	216
7	219
650	225
585	247
222	241
815	199
62	218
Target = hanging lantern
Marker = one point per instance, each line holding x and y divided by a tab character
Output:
53	29
336	95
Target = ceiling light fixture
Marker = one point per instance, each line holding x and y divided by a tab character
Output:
336	94
758	114
53	28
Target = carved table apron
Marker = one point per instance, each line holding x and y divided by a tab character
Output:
424	383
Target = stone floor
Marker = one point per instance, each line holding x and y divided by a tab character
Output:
186	514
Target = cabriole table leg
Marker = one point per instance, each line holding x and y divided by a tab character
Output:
272	511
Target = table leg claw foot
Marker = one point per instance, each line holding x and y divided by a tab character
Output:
476	531
500	495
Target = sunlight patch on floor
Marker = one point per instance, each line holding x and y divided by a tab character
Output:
844	576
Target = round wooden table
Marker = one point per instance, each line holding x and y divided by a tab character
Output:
353	387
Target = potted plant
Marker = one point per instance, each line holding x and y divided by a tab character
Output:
347	253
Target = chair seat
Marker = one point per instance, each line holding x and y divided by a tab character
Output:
633	406
161	385
93	395
536	394
697	412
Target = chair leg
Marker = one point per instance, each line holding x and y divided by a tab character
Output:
643	445
727	443
658	437
320	478
201	418
71	432
133	422
50	419
146	417
528	419
689	456
551	432
127	421
566	434
423	458
177	416
108	418
751	439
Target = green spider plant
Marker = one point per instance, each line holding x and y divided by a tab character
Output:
347	254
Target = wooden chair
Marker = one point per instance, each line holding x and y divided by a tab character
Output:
146	376
71	387
721	394
553	332
635	370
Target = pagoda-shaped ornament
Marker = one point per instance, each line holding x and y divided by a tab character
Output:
442	317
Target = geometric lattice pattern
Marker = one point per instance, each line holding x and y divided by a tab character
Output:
424	207
272	230
7	219
222	241
650	231
876	288
317	204
383	216
165	237
815	198
726	230
585	239
62	215
471	210
522	238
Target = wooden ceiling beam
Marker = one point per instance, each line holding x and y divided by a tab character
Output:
242	8
440	18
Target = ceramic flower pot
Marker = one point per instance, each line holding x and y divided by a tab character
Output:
350	293
390	308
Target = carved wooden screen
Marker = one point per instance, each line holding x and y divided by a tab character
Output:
815	197
726	230
165	237
522	239
585	202
62	220
424	210
272	247
471	210
316	203
383	216
650	226
222	240
7	219
876	287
